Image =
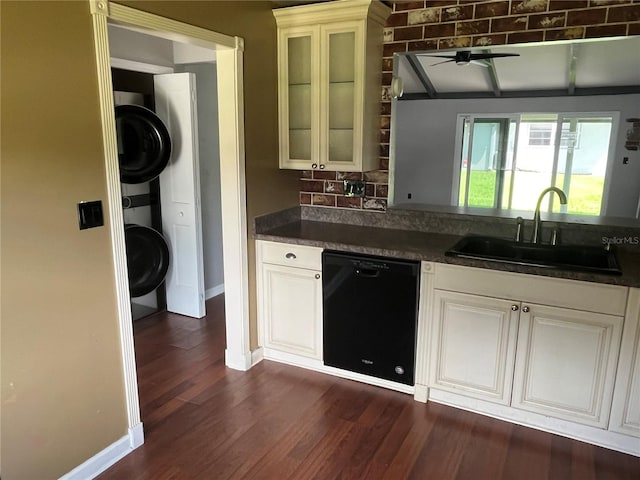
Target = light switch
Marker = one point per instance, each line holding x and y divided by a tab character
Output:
90	214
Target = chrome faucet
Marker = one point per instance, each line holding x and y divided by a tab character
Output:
536	236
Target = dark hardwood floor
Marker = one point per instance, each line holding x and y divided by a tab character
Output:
204	421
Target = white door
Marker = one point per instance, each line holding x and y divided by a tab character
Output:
175	96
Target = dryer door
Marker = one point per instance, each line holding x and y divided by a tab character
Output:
147	259
144	145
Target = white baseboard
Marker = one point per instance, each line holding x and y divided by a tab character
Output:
136	436
238	361
256	356
107	457
318	366
243	362
596	436
421	394
214	292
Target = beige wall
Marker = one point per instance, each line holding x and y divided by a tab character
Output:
62	384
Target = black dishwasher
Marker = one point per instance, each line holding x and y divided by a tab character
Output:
370	307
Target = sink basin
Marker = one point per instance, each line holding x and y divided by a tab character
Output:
565	257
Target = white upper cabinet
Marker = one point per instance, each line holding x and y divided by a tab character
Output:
329	89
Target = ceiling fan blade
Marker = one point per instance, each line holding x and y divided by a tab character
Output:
444	61
484	56
437	56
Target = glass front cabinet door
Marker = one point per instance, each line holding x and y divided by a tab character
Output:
329	61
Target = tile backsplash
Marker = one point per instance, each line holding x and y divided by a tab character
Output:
442	24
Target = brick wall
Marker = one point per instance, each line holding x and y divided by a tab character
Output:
442	24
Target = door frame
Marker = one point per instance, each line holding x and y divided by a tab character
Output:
229	52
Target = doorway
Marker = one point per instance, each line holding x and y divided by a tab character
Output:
184	199
232	178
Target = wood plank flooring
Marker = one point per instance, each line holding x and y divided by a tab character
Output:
204	421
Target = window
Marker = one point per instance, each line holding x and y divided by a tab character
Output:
543	134
540	134
508	160
569	139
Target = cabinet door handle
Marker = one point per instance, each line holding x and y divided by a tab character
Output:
290	255
525	309
322	166
317	276
314	165
514	308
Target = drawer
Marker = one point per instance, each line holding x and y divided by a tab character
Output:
559	292
291	255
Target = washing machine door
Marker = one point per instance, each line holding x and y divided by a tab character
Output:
144	144
147	259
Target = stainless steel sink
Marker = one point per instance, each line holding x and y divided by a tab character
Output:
565	257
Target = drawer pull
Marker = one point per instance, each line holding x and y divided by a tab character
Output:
290	255
317	276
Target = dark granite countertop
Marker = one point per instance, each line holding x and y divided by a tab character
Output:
428	246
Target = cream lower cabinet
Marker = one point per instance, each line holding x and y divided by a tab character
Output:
566	363
543	345
625	411
290	299
475	345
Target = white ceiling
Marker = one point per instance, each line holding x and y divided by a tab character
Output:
133	50
550	68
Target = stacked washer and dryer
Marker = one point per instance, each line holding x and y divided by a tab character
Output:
144	150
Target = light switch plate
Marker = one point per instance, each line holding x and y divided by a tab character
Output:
90	214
